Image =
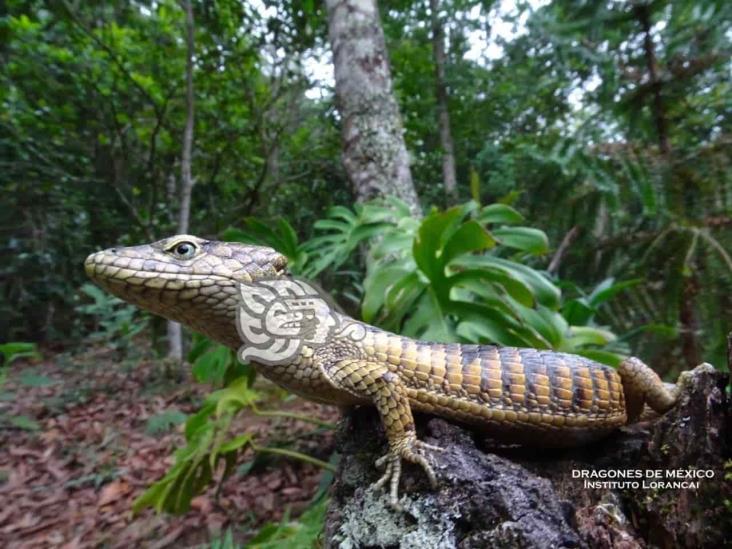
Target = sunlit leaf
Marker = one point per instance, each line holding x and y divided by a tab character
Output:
500	213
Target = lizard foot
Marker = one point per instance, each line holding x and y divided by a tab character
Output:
411	450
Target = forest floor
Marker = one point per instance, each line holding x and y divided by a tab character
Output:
81	436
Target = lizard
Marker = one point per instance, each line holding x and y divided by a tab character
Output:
243	296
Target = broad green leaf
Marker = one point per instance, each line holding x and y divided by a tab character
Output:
211	366
395	242
470	237
548	324
603	357
504	329
486	330
499	213
545	291
427	244
199	420
332	225
364	232
400	299
234	397
513	286
287	534
542	288
200	344
582	336
428	321
522	238
577	311
376	288
487	293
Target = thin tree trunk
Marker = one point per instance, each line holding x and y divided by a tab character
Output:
687	312
443	114
374	153
175	335
186	180
659	113
567	241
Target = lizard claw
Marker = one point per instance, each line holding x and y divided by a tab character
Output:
411	450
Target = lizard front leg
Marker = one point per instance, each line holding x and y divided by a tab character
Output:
374	382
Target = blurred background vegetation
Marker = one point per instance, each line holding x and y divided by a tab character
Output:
605	124
588	209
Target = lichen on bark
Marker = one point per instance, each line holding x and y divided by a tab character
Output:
374	153
524	497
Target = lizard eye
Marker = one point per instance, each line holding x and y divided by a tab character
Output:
184	250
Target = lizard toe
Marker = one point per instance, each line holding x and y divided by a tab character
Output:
392	474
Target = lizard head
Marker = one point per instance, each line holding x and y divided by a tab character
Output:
187	279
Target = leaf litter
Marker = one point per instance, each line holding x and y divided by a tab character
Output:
84	450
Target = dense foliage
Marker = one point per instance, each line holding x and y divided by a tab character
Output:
605	124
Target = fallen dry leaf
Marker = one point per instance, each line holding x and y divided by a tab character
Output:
112	492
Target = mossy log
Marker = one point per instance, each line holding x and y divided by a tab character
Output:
491	496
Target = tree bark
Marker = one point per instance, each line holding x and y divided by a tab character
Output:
443	114
374	153
175	333
493	496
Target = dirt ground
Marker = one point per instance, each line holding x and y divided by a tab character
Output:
82	436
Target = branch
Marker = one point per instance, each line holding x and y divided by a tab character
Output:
567	241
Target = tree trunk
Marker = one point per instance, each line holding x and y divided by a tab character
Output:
374	153
443	114
659	112
492	496
175	334
687	314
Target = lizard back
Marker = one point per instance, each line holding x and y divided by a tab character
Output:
514	393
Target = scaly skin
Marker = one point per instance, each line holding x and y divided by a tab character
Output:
527	396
